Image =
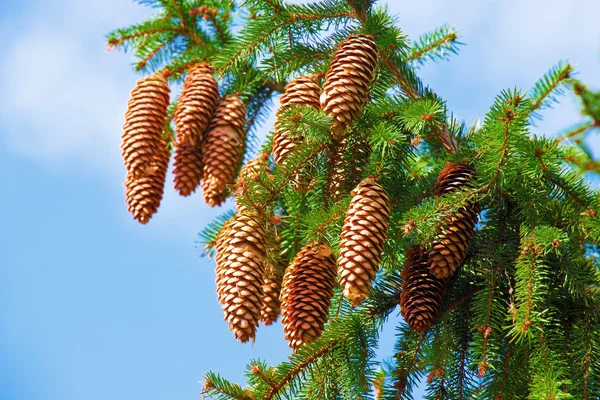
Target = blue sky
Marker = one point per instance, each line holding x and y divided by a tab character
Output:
95	306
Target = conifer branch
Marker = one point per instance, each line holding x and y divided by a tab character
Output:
549	84
117	41
556	182
246	51
297	369
404	374
584	94
143	63
576	131
440	43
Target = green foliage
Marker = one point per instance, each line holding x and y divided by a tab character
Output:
521	318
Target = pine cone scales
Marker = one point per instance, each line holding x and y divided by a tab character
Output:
196	104
187	168
223	149
301	91
454	176
240	273
306	294
144	123
348	81
363	235
422	293
271	307
143	195
450	246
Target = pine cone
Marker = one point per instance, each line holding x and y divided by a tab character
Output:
450	246
348	160
348	81
187	168
223	149
143	195
240	273
196	104
142	135
274	271
422	293
454	176
363	234
302	91
306	294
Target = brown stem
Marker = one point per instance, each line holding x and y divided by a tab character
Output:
561	78
418	54
220	32
406	373
277	386
122	39
558	183
577	131
293	18
143	63
275	86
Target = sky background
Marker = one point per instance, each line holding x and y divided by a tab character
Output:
94	305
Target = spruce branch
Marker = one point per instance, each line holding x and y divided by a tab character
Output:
576	131
551	83
434	45
142	64
297	369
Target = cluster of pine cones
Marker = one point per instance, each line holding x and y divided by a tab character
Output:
209	147
254	284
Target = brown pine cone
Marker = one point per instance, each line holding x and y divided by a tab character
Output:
363	235
196	104
348	160
143	195
187	168
422	293
301	91
450	246
306	294
348	81
240	271
274	270
142	136
454	176
223	149
249	174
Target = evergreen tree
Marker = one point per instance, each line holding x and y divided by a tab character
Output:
369	198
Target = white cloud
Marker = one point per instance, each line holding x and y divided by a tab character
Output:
63	99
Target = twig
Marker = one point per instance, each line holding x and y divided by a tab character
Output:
276	387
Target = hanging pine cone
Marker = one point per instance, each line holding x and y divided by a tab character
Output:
274	270
348	160
187	168
196	104
337	175
306	294
302	91
144	123
422	293
348	81
143	195
223	149
363	234
450	246
240	272
454	176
